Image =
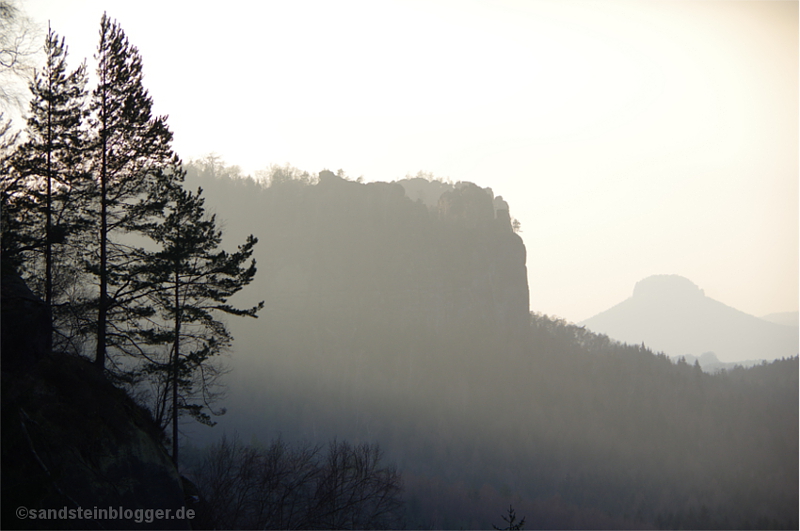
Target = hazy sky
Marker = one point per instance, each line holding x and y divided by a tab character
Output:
630	138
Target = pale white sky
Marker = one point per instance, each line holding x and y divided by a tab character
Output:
630	138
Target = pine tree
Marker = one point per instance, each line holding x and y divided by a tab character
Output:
15	202
511	521
134	166
195	280
51	162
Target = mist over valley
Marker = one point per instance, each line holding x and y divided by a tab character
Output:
187	344
405	321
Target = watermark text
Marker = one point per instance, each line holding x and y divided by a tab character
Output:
138	516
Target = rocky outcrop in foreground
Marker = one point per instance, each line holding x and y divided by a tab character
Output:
71	440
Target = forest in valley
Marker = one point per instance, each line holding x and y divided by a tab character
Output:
480	403
314	351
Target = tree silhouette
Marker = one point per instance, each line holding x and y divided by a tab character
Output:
299	487
511	520
192	280
18	48
51	162
134	167
17	209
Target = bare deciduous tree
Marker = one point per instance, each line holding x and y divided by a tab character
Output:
19	46
285	487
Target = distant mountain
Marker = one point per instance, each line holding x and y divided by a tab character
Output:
710	363
784	318
671	314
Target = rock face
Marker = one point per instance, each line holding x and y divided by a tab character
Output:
27	332
70	438
368	289
671	314
370	254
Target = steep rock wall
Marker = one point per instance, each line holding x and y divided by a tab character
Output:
367	253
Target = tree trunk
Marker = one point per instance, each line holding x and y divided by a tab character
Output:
48	227
176	350
100	357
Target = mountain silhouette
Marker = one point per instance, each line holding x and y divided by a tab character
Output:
784	318
669	313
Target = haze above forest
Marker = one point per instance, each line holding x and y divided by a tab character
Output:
395	318
635	138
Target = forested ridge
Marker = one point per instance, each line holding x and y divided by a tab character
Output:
395	328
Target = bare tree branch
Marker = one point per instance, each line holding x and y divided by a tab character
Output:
20	46
284	487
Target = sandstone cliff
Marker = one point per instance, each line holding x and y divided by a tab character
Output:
340	251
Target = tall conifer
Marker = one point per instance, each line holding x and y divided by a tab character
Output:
134	166
196	279
51	162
